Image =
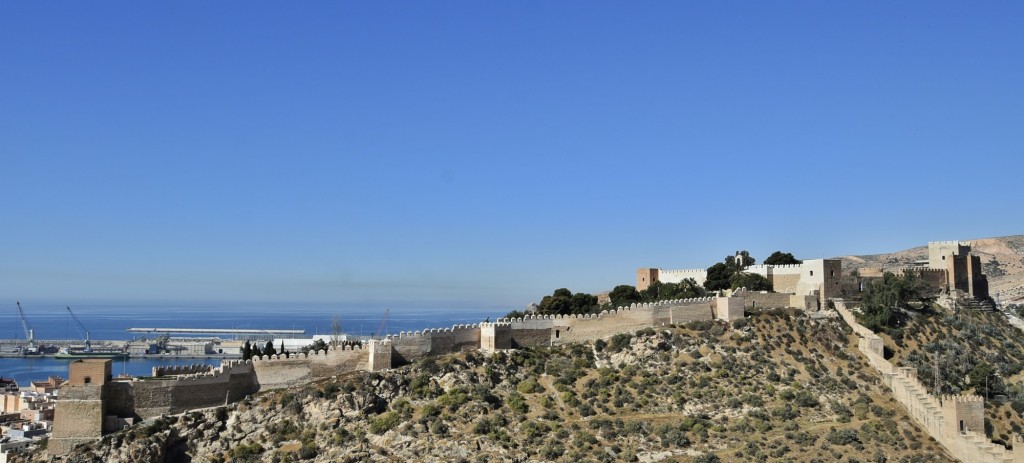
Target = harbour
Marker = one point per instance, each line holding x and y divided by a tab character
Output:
160	336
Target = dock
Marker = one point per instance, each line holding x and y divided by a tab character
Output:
216	331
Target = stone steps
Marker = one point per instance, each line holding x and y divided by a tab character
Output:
975	304
995	452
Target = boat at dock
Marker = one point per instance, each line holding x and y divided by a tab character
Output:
66	354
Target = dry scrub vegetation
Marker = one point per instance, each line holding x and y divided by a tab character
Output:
777	386
974	352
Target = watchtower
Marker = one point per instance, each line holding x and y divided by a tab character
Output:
78	417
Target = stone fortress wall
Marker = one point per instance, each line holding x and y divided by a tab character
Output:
175	390
279	371
230	382
175	370
957	422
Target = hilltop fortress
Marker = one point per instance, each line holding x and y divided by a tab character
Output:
93	403
951	269
809	284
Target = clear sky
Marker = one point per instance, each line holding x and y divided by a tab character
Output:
482	154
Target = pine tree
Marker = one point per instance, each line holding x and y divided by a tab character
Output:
247	351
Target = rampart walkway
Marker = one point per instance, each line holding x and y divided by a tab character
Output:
956	422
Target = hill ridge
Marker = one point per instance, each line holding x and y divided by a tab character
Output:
1002	260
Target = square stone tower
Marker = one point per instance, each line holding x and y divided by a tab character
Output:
78	417
645	277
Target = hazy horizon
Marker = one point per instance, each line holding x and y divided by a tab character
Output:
486	154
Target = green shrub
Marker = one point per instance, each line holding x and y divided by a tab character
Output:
529	386
516	403
247	451
439	428
384	422
308	451
619	342
707	458
843	437
805	398
453	399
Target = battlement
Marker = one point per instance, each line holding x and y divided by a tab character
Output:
621	309
497	323
962	399
755	268
696	271
176	370
311	354
453	329
950	243
923	269
228	365
192	373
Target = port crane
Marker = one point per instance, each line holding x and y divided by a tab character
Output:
383	324
29	332
81	327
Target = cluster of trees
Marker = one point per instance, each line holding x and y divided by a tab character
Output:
249	350
624	295
317	345
885	298
781	258
562	302
729	274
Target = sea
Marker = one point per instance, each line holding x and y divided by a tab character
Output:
111	321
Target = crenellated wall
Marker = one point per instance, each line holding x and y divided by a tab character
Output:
412	345
174	370
231	382
278	371
543	330
957	422
646	276
181	388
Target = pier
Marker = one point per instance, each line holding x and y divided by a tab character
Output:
215	331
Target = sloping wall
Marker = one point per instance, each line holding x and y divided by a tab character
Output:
956	422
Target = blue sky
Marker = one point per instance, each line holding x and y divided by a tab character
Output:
482	154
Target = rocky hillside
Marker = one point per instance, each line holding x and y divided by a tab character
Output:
966	352
777	386
1002	260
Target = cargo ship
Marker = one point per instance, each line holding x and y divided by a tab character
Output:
66	353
